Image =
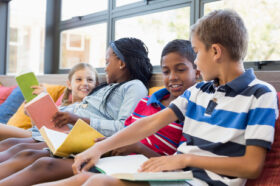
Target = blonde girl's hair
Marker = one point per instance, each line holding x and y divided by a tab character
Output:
80	66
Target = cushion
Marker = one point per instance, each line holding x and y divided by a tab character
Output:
154	89
5	92
19	119
10	106
270	173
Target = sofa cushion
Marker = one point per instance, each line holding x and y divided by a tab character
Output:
19	119
5	92
10	106
271	170
154	89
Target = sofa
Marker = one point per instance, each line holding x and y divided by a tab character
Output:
56	84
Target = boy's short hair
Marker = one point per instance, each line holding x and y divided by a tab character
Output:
181	47
226	28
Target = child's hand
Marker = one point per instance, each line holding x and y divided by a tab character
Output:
38	89
85	160
164	163
62	118
126	150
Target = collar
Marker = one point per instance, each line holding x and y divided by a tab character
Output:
242	82
157	97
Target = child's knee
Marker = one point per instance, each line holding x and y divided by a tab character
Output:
82	177
44	164
29	154
103	180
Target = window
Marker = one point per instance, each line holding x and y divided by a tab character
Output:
126	2
261	18
156	29
26	36
85	44
74	8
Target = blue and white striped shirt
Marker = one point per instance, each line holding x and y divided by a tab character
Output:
220	121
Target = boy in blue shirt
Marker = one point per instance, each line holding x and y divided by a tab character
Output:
228	118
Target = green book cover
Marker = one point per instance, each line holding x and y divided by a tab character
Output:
25	81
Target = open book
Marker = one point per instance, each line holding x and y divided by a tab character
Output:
25	81
126	167
41	110
80	138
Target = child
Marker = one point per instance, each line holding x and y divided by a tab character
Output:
9	131
82	78
179	73
228	119
128	70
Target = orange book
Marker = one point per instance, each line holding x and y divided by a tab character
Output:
41	110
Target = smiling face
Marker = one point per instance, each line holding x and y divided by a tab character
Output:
178	74
81	84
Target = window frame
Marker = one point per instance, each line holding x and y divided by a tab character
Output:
54	27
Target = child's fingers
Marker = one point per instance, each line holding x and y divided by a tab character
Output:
151	165
88	165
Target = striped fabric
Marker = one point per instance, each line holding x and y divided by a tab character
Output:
221	120
166	140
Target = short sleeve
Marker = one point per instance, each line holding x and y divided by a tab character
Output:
261	120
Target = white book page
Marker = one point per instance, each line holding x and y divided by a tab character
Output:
55	137
121	164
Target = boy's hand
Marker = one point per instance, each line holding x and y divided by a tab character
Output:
38	89
164	163
62	118
126	150
86	160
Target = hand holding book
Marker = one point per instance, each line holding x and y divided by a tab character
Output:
127	168
63	118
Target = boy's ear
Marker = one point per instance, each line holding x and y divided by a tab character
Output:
68	84
217	51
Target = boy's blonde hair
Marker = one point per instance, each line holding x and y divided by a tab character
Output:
79	66
226	28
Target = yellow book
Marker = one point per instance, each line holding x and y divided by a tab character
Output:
80	138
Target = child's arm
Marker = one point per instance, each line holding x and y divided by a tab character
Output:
138	148
7	131
247	166
131	134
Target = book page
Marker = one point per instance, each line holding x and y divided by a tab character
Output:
55	137
121	164
156	176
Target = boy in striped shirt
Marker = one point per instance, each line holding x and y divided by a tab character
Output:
228	119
